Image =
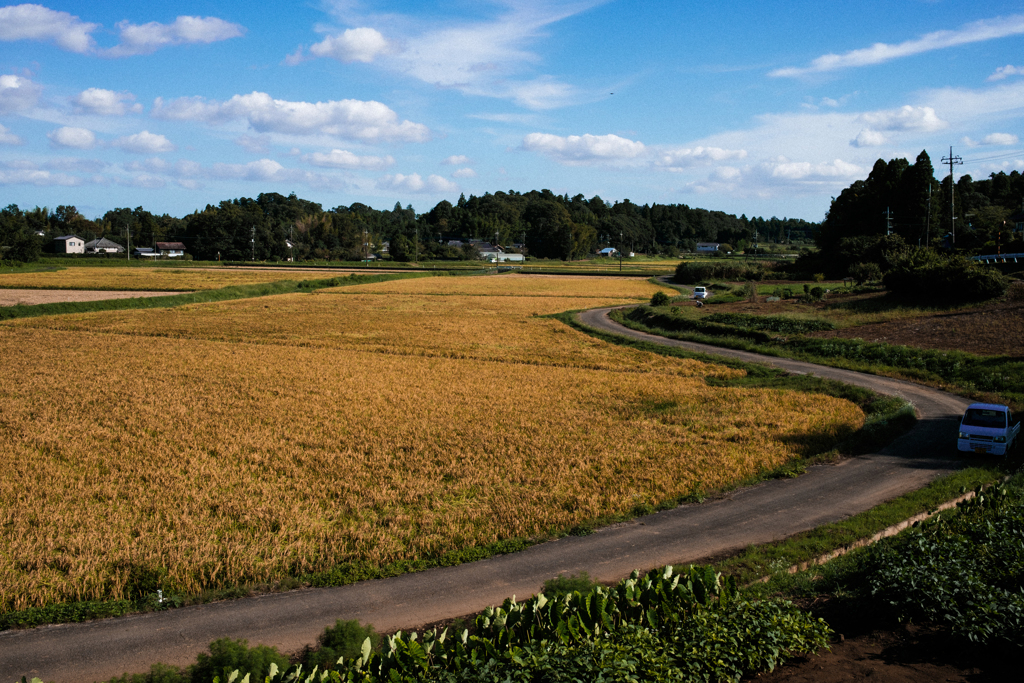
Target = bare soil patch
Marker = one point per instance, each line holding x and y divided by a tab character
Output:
32	297
905	653
995	329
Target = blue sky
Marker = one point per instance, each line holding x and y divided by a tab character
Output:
763	108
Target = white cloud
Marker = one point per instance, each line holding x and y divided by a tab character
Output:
38	177
1008	70
1000	139
354	45
868	138
905	118
340	158
142	180
35	22
368	121
482	57
66	136
254	143
434	184
105	102
148	38
456	160
464	173
964	105
805	171
17	94
580	149
987	29
679	158
144	143
7	137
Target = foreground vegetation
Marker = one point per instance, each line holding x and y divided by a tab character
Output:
691	625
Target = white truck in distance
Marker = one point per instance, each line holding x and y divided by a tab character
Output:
987	428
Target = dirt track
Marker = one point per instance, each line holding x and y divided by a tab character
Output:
766	512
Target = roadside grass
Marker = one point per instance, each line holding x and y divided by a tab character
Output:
990	378
201	297
775	559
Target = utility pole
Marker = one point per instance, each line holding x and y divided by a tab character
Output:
951	160
928	223
888	221
252	240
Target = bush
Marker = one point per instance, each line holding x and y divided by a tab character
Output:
659	299
692	272
344	639
227	655
925	275
865	272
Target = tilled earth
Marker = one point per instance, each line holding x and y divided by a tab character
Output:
996	329
895	653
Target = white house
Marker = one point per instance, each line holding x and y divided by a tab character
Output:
103	246
69	244
707	247
608	251
170	249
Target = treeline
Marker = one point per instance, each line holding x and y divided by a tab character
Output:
897	227
904	199
275	227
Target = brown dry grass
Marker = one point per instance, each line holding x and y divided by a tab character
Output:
163	279
249	440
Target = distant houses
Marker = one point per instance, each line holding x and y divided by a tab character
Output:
73	244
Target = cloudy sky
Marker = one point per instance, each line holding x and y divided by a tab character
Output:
763	108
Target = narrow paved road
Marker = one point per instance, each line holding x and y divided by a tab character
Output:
773	510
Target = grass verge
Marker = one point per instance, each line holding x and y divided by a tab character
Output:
202	297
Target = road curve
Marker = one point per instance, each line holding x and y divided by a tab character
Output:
769	511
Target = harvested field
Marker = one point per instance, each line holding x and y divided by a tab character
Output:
32	297
143	278
995	330
254	439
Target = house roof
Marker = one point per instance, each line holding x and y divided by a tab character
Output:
103	243
67	237
170	246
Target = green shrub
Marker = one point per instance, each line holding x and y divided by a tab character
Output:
344	639
659	299
227	655
926	275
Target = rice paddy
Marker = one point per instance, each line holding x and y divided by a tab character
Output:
245	441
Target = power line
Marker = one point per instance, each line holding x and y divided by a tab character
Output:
951	160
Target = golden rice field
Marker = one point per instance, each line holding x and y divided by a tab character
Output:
248	440
159	279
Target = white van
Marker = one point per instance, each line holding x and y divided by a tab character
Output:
700	292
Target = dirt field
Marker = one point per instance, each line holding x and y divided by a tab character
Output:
31	297
996	329
905	653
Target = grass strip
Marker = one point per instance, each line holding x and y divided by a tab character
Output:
775	559
202	297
